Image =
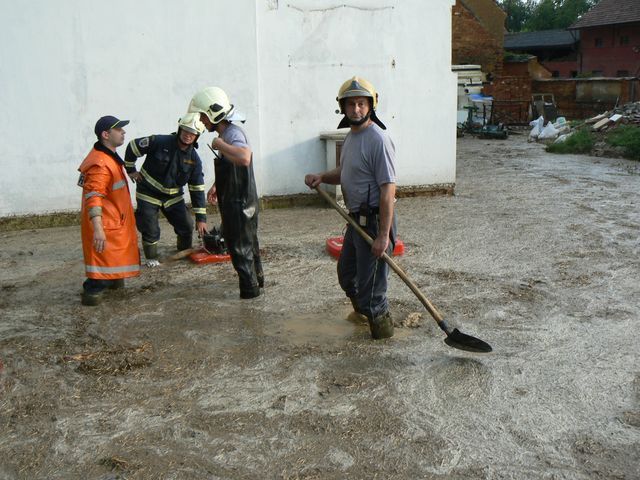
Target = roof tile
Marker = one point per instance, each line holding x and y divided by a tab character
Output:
610	12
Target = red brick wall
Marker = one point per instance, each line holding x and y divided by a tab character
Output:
515	69
565	93
490	15
611	56
564	69
473	44
512	88
512	95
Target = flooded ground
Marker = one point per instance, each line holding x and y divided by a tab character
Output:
177	378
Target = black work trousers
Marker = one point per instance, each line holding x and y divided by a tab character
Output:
177	215
240	232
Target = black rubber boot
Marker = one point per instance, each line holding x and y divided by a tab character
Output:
184	242
252	293
150	251
382	326
91	299
117	284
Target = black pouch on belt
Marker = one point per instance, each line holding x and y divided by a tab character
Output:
363	215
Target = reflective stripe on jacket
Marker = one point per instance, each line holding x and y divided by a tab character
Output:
166	169
105	192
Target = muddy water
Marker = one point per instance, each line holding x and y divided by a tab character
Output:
177	378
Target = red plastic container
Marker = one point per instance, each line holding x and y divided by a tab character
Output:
202	256
334	246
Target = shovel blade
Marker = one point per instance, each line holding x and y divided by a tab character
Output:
462	341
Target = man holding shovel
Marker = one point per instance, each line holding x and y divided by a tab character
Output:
367	177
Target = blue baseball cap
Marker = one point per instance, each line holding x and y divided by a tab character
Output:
107	123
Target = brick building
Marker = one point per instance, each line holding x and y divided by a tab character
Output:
556	50
610	39
478	34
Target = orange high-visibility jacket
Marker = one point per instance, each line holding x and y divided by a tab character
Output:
105	191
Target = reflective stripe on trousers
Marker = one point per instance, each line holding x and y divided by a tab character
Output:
121	269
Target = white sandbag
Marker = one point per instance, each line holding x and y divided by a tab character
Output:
548	132
563	138
537	127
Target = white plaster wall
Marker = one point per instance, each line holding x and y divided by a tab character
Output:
308	48
66	63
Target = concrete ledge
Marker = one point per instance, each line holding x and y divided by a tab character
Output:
26	222
409	191
310	199
65	219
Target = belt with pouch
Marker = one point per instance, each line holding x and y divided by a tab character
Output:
372	211
362	219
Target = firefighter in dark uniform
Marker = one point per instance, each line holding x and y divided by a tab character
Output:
234	189
171	163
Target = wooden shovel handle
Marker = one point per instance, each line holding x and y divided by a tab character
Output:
394	266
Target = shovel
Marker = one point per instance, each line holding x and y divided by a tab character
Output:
455	338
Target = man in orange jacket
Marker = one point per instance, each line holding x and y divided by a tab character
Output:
109	237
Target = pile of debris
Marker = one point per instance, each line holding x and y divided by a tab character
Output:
560	130
628	113
631	111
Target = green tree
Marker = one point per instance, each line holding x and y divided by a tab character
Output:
556	14
569	11
542	16
518	11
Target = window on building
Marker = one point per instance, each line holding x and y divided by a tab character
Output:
599	42
555	74
624	40
574	73
622	73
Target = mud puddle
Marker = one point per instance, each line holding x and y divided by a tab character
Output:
178	378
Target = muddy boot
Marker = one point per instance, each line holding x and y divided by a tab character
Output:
355	316
117	284
250	293
381	326
184	242
91	299
150	251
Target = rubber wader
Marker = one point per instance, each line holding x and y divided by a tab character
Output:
184	242
381	326
150	251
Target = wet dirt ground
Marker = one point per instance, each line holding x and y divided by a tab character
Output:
177	378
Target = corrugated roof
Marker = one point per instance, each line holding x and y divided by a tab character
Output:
540	39
610	12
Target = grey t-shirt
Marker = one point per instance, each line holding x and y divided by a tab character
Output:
234	135
368	162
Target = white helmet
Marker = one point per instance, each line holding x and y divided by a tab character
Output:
213	102
191	123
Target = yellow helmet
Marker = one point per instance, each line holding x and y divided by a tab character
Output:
213	102
191	123
357	87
